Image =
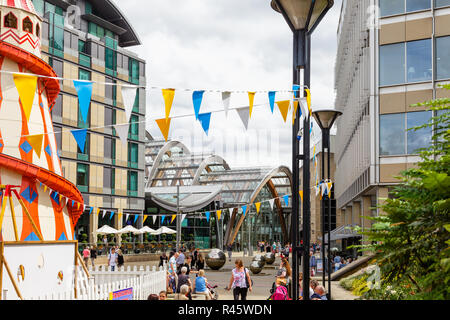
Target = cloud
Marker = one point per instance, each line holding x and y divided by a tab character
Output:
232	45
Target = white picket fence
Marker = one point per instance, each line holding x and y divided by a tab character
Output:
103	281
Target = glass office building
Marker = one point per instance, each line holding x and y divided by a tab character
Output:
90	40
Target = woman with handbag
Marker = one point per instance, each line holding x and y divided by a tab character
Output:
240	281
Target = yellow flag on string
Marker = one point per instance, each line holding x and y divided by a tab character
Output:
35	142
173	218
219	214
26	86
78	205
45	188
145	218
164	126
284	108
301	194
168	95
258	207
294	115
251	98
120	216
98	211
308	100
60	197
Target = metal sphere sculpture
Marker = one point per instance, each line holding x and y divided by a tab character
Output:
270	258
260	259
215	259
255	267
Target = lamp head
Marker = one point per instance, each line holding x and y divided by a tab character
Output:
325	118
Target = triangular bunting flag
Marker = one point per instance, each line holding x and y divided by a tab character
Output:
136	216
301	194
35	142
78	205
129	98
258	207
329	187
183	216
308	101
126	217
226	101
154	217
251	99
164	126
205	120
317	190
168	95
207	213
122	131
286	200
244	115
45	188
294	114
219	214
145	218
271	202
90	210
173	218
197	97
303	107
98	211
272	100
104	213
84	91
26	86
284	108
162	219
244	210
231	211
73	203
80	138
112	215
296	89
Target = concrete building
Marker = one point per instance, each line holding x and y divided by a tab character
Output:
391	54
89	40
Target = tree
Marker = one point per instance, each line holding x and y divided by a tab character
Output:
411	240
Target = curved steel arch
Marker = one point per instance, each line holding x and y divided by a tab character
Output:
205	164
266	181
165	149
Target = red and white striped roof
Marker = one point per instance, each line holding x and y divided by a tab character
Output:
20	4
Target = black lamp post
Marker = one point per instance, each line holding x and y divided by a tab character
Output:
302	16
325	119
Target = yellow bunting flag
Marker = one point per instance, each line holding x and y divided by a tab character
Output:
284	108
26	86
145	218
173	217
120	215
258	207
168	95
301	194
308	100
164	126
294	115
78	205
60	197
98	211
251	98
219	214
36	143
45	188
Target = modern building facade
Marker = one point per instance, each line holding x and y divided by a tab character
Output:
90	40
391	54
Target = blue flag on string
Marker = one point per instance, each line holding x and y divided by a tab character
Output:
207	213
205	120
90	210
136	216
197	98
112	215
84	90
73	203
286	200
244	210
296	89
272	100
80	138
162	219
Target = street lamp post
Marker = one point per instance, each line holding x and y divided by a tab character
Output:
302	16
326	119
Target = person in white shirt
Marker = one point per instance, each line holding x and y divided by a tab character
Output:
112	259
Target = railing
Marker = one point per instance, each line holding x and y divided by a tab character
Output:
103	281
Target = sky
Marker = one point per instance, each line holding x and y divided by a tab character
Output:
240	45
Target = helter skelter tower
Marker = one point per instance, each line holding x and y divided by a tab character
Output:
28	151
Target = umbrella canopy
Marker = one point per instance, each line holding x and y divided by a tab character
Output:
147	229
164	230
129	229
106	230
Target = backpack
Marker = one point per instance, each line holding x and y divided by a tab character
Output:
280	294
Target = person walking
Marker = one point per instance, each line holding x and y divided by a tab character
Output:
163	259
240	281
173	278
112	259
200	264
93	256
86	255
120	259
105	244
180	259
230	251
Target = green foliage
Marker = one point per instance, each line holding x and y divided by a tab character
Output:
411	241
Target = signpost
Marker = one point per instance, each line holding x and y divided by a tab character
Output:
125	294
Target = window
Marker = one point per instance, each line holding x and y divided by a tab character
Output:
392	64
88	8
27	25
38	30
58	66
108	117
133	155
416	5
82	46
420	138
442	60
10	21
58	137
419	60
392	134
57	108
85	154
132	183
81	123
134	127
441	3
107	181
391	7
134	71
39	6
136	102
82	177
84	74
107	148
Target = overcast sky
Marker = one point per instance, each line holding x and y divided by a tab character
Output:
228	45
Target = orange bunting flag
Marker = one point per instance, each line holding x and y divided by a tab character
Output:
301	194
36	143
78	205
294	115
308	101
145	218
173	218
60	197
219	214
164	126
258	207
26	86
98	211
251	98
284	108
168	95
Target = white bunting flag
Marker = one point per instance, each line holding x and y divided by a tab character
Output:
154	218
271	201
317	190
129	97
122	132
126	217
304	107
226	96
183	216
244	114
104	213
231	211
322	189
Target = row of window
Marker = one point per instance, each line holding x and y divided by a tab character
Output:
109	178
393	7
409	62
10	21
